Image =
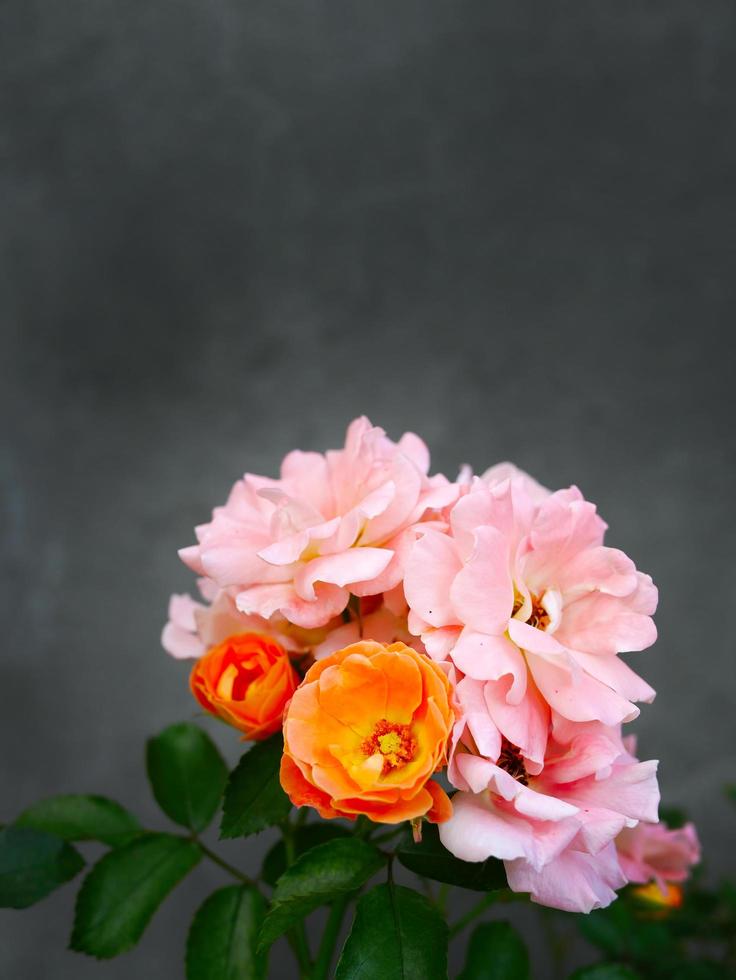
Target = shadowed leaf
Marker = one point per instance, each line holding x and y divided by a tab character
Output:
396	935
254	798
123	890
316	878
187	775
223	936
32	864
78	817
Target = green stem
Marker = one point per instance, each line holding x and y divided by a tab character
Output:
398	829
330	936
442	897
297	935
305	966
363	827
473	913
302	815
354	607
216	859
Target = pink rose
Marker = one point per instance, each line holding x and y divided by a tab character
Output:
194	627
656	853
554	829
331	525
523	597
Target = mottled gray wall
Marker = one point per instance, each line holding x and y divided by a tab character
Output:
227	227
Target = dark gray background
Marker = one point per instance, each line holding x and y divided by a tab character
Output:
228	227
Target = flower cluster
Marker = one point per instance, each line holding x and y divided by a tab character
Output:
396	624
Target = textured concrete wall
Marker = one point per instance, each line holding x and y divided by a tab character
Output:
229	227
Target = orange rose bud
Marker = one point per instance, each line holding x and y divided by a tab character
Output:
659	898
246	680
364	733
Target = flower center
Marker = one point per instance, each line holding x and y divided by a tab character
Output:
510	761
234	682
396	743
538	616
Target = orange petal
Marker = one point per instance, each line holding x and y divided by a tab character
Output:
441	809
303	793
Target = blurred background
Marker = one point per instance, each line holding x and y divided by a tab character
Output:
228	228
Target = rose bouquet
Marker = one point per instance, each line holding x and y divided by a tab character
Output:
433	668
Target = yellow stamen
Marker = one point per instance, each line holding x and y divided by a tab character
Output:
396	743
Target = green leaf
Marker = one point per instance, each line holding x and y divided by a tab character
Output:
187	775
608	929
622	934
78	817
254	799
605	971
701	970
274	863
32	864
496	952
396	935
317	878
431	859
223	936
124	889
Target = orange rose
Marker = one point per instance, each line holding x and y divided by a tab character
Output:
365	732
246	680
660	899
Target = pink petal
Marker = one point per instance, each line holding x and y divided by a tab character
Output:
438	493
286	551
337	639
488	658
265	600
630	789
238	564
183	610
646	596
407	481
564	526
581	697
614	673
470	696
416	450
530	638
439	643
525	724
473	771
539	806
574	882
603	624
180	643
290	514
192	558
308	472
653	852
482	593
599	828
343	569
507	471
472	511
391	577
606	569
592	749
377	501
430	570
477	831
